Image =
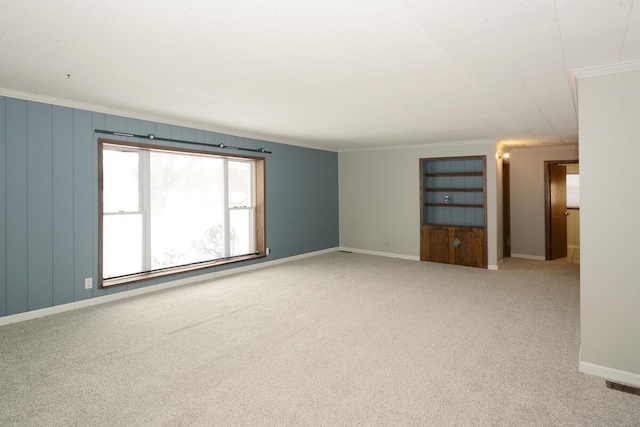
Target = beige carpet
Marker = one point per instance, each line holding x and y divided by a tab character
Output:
334	340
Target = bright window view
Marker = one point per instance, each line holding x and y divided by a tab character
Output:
573	191
164	209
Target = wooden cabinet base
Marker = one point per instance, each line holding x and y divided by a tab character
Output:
454	245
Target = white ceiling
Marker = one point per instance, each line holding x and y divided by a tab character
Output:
336	74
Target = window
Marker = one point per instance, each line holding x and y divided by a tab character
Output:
573	191
166	210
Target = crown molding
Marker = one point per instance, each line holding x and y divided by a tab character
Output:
426	145
563	147
61	102
599	70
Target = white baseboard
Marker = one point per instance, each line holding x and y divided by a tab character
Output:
533	257
612	374
378	253
393	255
29	315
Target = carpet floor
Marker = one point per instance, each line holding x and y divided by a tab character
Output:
334	340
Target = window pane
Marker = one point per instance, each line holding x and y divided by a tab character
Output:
120	178
187	209
573	190
240	184
121	245
241	235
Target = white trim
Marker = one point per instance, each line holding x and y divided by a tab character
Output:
573	79
378	253
599	70
35	314
612	374
533	257
152	118
495	267
568	146
426	145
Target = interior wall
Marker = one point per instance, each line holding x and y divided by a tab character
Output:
380	197
49	200
527	197
609	108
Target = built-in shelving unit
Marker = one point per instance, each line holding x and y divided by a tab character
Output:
453	210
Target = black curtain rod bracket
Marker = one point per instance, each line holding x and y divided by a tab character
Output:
158	138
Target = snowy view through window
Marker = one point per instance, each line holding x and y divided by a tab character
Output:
165	209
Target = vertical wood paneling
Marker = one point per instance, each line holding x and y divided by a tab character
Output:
147	127
3	207
133	126
198	136
40	205
163	130
209	137
17	272
99	122
116	123
83	209
176	133
188	134
62	205
49	194
92	140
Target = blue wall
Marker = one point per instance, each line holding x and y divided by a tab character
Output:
49	200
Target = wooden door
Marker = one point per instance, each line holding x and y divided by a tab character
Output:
506	210
558	214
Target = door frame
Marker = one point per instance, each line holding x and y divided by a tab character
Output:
547	203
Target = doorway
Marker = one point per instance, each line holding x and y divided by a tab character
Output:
506	209
562	214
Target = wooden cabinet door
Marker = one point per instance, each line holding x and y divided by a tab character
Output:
438	245
435	243
471	248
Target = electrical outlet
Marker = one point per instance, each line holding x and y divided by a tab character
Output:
88	283
268	251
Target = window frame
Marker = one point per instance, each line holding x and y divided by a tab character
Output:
259	211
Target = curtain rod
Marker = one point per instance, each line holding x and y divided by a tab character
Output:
158	138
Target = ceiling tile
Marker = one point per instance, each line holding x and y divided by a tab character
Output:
593	49
470	40
448	14
532	38
630	51
379	72
13	12
592	16
498	7
417	4
532	15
